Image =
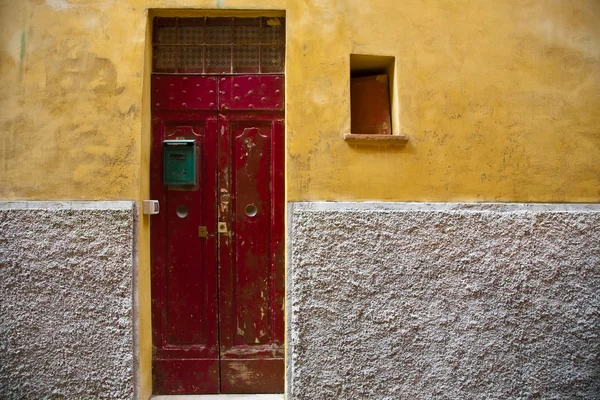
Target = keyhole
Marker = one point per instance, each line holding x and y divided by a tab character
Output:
182	211
251	210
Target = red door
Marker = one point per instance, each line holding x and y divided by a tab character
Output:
217	247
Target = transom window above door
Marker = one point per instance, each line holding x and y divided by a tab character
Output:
218	45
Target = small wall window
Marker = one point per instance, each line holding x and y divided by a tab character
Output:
373	113
371	80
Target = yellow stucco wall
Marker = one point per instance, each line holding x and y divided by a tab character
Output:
500	99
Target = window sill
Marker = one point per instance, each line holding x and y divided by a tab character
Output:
380	140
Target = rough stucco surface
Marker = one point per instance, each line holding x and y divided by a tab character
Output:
66	326
440	301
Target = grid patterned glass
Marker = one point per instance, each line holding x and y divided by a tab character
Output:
218	58
247	34
167	34
219	45
219	34
271	34
190	57
272	58
191	34
165	58
246	57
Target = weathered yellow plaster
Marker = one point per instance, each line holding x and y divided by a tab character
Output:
501	101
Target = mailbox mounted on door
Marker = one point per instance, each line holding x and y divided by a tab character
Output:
179	158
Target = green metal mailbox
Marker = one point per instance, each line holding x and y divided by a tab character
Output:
179	157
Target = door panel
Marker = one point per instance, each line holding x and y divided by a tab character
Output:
184	93
252	376
252	213
186	311
185	376
251	254
184	278
256	92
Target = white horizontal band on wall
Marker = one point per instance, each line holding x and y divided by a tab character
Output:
66	205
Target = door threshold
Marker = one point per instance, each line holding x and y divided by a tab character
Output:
219	397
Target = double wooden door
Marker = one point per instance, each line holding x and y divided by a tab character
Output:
217	246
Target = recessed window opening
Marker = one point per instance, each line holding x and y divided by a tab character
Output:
218	45
371	84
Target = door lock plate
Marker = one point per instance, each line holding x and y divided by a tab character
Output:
222	227
202	231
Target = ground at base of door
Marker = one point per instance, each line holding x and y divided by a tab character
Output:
221	397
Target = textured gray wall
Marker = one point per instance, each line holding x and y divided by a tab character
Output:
433	301
66	328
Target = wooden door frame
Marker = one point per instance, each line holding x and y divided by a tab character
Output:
142	351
